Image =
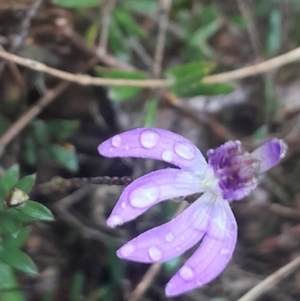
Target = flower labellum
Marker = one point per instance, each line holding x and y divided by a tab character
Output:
230	173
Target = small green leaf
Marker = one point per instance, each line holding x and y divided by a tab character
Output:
150	113
30	151
8	180
77	3
40	132
121	94
26	183
17	259
8	282
144	7
199	69
35	211
127	23
65	157
62	129
192	86
21	238
10	223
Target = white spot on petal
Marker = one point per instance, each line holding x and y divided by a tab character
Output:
155	254
167	155
127	250
199	283
149	138
186	273
144	197
184	150
169	237
224	251
124	205
127	147
116	141
114	221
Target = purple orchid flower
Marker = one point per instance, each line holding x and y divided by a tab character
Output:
230	173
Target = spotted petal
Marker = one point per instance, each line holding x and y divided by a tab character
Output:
173	238
214	253
151	189
156	144
270	153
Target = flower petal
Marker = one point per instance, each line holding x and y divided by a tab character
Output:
173	238
214	253
154	143
270	153
151	189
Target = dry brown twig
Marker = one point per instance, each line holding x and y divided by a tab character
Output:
108	7
86	80
271	280
251	28
256	69
34	111
81	79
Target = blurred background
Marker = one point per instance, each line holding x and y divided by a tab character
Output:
51	128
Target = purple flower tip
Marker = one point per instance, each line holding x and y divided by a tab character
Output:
230	174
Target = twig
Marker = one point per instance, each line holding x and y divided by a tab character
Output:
105	22
61	207
149	276
272	280
252	30
19	38
86	80
35	110
256	69
81	79
165	6
30	13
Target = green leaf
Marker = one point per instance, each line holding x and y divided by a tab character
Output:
62	129
18	241
40	132
35	211
77	3
199	68
26	183
8	282
199	37
192	86
10	223
65	157
8	181
150	114
144	7
30	151
127	23
17	259
121	94
274	33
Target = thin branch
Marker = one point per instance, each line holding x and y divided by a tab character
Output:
272	280
165	6
149	276
256	69
81	79
86	80
34	111
252	30
26	118
104	26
